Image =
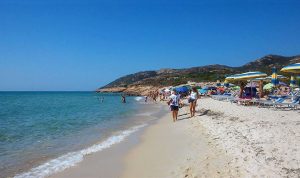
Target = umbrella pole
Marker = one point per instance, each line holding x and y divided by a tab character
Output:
241	89
261	93
251	88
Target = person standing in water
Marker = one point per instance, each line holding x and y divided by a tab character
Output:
123	98
174	105
193	101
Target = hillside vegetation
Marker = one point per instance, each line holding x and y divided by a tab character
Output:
167	77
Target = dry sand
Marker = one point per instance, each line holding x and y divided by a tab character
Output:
264	142
178	149
223	140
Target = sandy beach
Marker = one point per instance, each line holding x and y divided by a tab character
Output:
178	149
223	140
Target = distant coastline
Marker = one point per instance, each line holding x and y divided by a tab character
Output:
138	84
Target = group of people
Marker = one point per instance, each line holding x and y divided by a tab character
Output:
153	95
175	102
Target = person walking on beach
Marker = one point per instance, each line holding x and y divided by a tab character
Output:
193	101
174	105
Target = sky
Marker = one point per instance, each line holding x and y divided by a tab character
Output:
80	45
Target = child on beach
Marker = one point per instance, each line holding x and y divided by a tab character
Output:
193	101
174	105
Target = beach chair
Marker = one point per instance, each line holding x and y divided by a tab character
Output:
244	101
292	105
272	103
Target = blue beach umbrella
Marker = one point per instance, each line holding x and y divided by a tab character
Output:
182	89
274	79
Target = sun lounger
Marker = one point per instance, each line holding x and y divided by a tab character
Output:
246	101
271	102
293	105
221	97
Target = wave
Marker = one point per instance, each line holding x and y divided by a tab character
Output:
71	159
139	98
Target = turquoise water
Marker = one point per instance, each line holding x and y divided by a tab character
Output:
36	127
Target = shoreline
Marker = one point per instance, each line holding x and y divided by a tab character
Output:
108	162
227	141
137	120
161	149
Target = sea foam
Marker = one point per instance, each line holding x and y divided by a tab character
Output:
68	160
139	98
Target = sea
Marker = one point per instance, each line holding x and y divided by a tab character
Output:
42	133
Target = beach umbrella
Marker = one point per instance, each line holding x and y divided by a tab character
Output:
292	68
182	89
247	76
230	78
274	79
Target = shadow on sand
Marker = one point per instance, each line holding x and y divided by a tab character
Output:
183	114
204	112
180	119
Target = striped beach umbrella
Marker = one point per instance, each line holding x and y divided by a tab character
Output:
292	68
274	79
248	75
244	77
230	78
